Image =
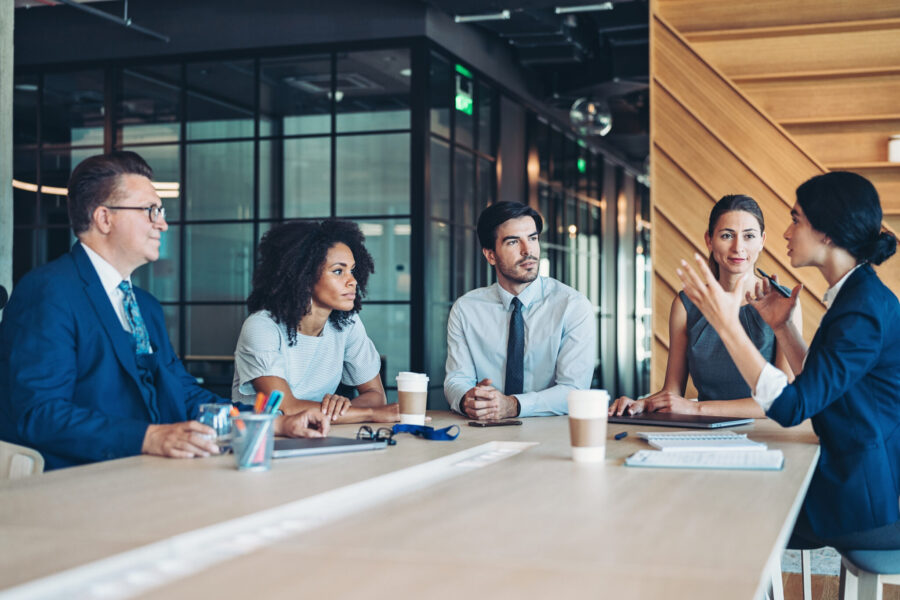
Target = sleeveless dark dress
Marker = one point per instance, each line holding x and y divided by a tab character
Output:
712	370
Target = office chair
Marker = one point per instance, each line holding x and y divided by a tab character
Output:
863	572
18	461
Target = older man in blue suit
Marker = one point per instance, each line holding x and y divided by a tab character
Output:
87	371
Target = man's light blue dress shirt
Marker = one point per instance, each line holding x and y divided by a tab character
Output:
560	344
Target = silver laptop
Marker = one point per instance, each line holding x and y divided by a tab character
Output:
679	420
327	445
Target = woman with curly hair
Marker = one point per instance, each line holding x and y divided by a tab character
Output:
304	336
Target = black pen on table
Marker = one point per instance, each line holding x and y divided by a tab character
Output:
784	291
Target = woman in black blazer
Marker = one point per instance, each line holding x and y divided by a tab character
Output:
848	379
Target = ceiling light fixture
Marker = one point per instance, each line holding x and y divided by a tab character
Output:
500	16
562	10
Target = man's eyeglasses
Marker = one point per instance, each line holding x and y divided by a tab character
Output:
383	434
154	212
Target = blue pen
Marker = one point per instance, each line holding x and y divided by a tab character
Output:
621	436
784	291
277	404
273	402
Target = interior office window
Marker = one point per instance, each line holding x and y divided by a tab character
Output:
271	180
438	266
148	104
164	160
465	269
542	142
372	174
212	330
388	242
160	277
24	194
219	180
486	98
442	93
24	252
485	193
307	177
218	261
72	111
464	201
56	168
220	99
171	315
372	90
593	292
25	106
387	325
295	95
582	248
439	173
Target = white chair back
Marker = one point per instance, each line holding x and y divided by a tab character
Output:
18	461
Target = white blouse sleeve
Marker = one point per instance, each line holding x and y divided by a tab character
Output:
361	360
769	386
259	352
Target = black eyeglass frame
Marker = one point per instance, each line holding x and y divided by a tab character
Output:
382	434
159	211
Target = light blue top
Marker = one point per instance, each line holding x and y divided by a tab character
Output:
312	367
560	344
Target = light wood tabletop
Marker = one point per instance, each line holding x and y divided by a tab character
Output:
531	525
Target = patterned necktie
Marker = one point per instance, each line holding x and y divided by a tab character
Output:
515	351
138	330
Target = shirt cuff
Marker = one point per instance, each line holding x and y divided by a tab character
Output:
769	386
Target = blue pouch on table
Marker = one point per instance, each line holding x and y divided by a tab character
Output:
427	432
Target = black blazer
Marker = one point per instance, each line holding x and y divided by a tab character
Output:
850	388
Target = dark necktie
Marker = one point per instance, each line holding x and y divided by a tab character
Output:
135	320
515	351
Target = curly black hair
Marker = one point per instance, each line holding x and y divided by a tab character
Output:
290	260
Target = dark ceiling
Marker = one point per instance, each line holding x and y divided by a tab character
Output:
599	52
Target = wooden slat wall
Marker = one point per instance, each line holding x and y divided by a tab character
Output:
705	15
755	98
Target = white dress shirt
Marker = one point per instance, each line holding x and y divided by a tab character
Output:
772	380
560	344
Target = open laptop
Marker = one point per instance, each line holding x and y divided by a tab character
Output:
327	445
679	420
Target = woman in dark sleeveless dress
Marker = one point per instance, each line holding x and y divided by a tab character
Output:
734	238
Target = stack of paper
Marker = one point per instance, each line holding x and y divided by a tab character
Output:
767	460
705	450
701	441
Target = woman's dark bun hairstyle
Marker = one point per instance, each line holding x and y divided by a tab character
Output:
845	207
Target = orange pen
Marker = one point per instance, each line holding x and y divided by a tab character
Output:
234	413
260	402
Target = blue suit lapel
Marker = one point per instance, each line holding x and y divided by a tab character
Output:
118	337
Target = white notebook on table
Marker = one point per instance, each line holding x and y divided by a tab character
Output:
767	460
701	441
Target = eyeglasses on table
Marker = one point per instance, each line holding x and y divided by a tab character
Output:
382	434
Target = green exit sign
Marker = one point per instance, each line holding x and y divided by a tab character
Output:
464	84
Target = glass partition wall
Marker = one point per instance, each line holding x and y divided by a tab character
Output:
402	139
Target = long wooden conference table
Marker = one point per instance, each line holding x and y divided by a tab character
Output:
499	513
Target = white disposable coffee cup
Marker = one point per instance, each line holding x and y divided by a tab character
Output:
412	393
587	424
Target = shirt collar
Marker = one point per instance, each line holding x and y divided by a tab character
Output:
832	292
110	278
526	296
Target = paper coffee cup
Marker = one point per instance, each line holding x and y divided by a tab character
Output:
412	394
587	424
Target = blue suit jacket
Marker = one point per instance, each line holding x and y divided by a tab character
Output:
68	373
850	387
